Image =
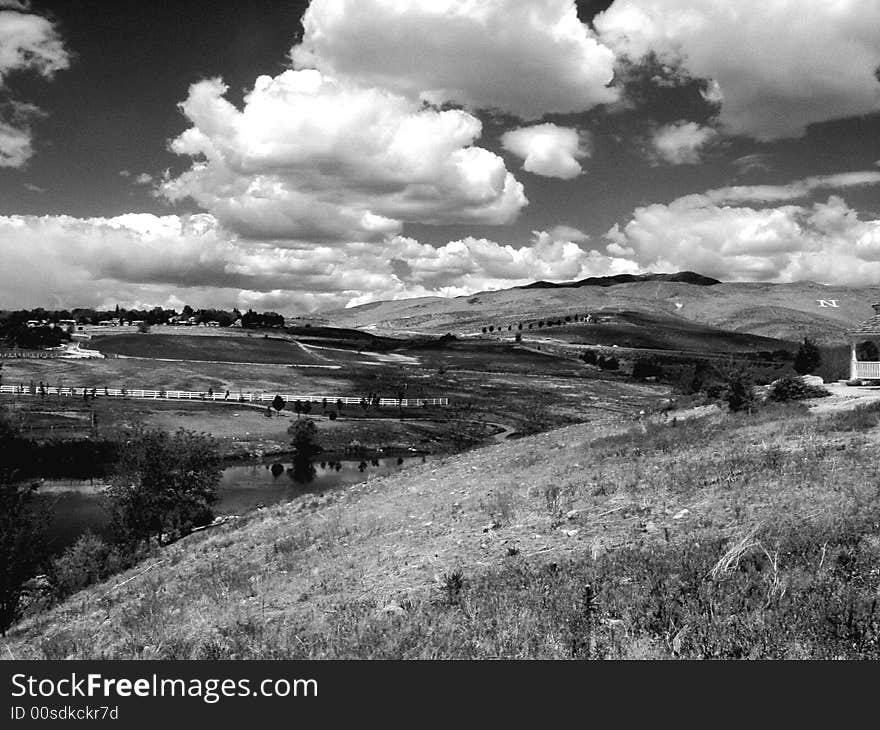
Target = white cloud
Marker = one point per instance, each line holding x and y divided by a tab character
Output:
548	150
794	190
142	258
680	143
525	57
825	242
28	42
310	157
775	66
15	145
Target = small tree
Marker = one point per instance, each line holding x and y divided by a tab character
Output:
278	403
739	391
305	438
165	484
807	358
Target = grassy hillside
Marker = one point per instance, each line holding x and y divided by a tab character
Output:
663	332
781	311
724	536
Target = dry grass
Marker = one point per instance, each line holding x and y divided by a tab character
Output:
356	573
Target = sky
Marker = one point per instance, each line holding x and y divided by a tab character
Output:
304	156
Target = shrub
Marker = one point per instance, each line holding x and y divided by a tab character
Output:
793	388
333	415
589	357
89	560
739	392
646	368
807	358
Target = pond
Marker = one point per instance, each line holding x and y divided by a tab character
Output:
75	505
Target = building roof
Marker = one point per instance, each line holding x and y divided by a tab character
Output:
870	327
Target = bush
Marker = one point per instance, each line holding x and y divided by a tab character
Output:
646	368
739	391
793	388
89	560
589	357
332	416
807	358
608	363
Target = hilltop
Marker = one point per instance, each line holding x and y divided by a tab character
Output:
779	311
722	536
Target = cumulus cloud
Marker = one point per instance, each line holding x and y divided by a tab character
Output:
680	143
310	157
28	42
137	259
548	150
525	57
824	242
775	66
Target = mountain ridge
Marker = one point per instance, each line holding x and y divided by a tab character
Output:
787	311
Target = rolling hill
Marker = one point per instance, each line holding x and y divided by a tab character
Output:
779	311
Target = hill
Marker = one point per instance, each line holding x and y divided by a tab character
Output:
720	537
779	311
686	277
662	332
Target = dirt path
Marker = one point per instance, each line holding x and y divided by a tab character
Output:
845	398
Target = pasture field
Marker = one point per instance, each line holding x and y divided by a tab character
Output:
491	386
257	349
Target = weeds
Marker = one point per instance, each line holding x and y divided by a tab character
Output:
860	418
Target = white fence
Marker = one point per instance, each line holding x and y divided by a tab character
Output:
868	370
222	397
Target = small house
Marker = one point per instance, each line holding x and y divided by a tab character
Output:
862	338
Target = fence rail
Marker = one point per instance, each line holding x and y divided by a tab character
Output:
868	370
223	397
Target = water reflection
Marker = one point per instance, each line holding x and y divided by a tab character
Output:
76	506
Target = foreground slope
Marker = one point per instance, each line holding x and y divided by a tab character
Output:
709	537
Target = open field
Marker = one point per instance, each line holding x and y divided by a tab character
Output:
492	386
725	536
256	349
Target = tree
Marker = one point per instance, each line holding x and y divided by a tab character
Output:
807	358
278	403
164	486
21	531
646	368
21	546
305	438
739	391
